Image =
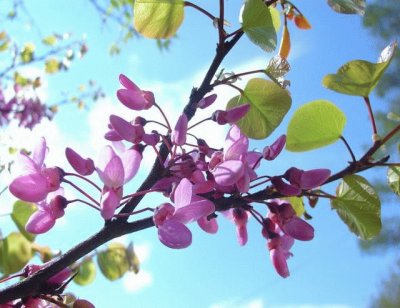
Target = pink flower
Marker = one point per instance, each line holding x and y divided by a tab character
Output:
48	212
235	166
300	180
279	252
35	181
178	136
80	165
272	151
171	220
114	171
207	101
125	130
132	96
232	115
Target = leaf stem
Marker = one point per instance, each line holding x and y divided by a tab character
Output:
348	148
371	115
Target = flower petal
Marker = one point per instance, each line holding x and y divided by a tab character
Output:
127	83
208	225
183	193
284	188
39	152
194	211
272	151
80	165
133	99
228	172
31	187
314	178
109	202
123	128
131	162
178	136
299	229
174	234
113	175
278	260
40	222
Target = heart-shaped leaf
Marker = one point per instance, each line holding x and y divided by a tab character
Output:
158	18
358	205
15	253
360	77
261	23
348	6
314	125
269	103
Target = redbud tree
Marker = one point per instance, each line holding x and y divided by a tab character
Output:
201	184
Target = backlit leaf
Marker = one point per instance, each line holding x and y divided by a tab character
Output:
314	125
50	40
393	177
348	6
113	262
158	18
269	103
15	253
284	48
358	205
261	23
52	66
27	53
86	273
360	77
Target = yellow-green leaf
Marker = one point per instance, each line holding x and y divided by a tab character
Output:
27	52
86	273
393	177
113	261
15	253
358	205
269	103
52	66
158	18
314	125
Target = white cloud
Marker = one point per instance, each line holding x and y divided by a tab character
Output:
134	283
233	303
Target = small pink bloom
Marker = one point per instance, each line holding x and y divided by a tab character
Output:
36	181
48	212
207	101
232	115
127	131
178	136
172	231
272	151
80	165
133	97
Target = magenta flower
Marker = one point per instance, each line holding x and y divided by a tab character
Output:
178	136
124	130
48	212
240	218
279	252
300	180
235	166
171	220
35	181
132	96
272	151
54	281
81	165
207	101
230	116
114	171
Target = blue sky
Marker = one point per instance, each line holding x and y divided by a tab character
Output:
215	271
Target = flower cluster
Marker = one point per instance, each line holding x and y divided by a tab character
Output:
200	183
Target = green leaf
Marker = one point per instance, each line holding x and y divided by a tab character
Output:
158	18
27	52
15	253
358	205
52	66
261	23
50	40
21	80
348	6
86	274
269	103
113	262
20	215
360	77
393	177
297	204
314	125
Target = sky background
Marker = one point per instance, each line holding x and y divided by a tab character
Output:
215	272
